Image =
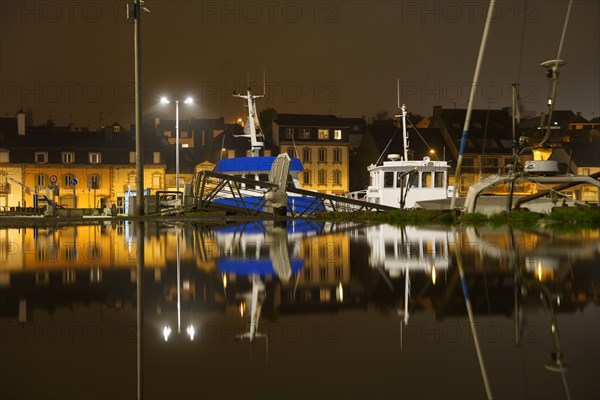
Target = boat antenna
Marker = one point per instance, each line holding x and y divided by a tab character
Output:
465	134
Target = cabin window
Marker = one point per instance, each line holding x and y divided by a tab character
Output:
251	177
439	180
426	179
388	179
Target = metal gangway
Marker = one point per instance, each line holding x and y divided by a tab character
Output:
216	191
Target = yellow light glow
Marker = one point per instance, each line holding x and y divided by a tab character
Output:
539	271
166	333
431	151
242	308
191	332
433	275
224	281
340	293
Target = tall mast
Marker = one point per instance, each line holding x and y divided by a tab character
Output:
256	143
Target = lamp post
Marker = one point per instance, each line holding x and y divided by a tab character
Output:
188	100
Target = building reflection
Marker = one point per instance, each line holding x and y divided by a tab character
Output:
304	268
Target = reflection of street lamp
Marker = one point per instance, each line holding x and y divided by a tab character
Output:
188	100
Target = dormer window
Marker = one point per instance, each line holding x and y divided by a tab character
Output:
95	158
323	134
116	128
68	157
41	157
337	134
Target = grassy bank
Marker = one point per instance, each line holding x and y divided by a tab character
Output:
567	216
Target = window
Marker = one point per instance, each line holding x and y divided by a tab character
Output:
41	157
304	133
95	158
68	157
489	161
40	180
289	133
132	157
94	181
323	134
322	155
388	179
307	274
291	152
426	179
156	181
306	178
337	177
337	134
323	273
116	128
67	179
132	179
156	157
322	177
337	155
306	155
439	180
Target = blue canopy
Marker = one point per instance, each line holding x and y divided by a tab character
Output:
253	164
263	266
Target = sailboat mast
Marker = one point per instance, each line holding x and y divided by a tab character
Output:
465	134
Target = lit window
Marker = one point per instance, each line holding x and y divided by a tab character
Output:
68	157
132	157
323	134
322	155
116	128
156	181
95	158
306	155
156	157
337	134
41	157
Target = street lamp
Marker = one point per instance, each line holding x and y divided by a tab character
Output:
188	100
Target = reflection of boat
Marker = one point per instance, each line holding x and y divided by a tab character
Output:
400	182
253	251
257	167
399	251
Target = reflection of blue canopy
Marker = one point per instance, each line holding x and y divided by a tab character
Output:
294	226
247	267
253	164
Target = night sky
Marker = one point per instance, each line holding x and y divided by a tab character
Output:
73	61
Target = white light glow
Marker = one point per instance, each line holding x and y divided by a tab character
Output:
164	100
166	333
189	100
191	332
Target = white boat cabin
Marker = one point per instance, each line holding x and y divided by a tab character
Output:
400	183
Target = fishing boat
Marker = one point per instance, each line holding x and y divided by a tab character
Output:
257	167
402	183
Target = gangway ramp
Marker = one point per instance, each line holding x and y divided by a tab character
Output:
213	190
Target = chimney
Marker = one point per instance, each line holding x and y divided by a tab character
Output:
21	122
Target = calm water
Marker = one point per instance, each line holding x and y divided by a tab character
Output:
305	311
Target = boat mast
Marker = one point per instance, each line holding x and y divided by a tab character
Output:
465	134
256	143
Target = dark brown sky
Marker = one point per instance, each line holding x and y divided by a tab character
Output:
72	60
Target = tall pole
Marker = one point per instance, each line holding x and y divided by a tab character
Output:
177	146
139	162
465	134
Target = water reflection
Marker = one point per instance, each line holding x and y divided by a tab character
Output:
247	281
